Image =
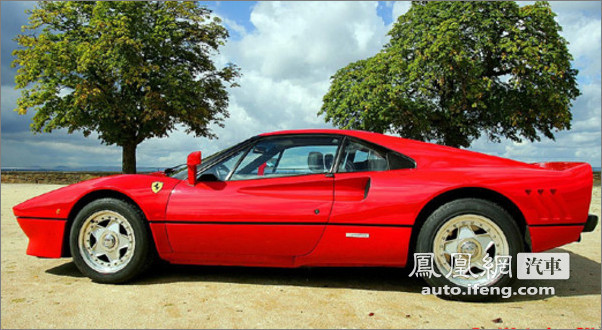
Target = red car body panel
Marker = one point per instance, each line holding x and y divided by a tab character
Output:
58	204
384	246
544	238
56	207
45	236
287	218
307	220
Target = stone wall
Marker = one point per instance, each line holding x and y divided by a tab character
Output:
50	177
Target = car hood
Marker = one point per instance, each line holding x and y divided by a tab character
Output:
57	204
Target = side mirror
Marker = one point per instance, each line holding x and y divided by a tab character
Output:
194	160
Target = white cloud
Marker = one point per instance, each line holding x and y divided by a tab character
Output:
287	61
583	34
233	26
576	7
286	64
310	40
400	8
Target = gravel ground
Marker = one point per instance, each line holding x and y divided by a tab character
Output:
51	293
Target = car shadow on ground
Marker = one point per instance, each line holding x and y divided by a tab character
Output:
584	280
365	278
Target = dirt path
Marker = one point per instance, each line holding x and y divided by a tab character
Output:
51	293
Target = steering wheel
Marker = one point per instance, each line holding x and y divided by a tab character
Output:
222	172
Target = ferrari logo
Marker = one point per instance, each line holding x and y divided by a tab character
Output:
156	186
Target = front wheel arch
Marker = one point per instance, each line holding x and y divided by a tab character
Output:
87	199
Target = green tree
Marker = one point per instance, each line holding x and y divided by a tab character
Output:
127	70
454	70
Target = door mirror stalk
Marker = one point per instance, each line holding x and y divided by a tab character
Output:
194	160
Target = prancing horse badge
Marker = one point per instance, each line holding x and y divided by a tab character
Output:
156	186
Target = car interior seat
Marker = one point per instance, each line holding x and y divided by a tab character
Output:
315	162
328	159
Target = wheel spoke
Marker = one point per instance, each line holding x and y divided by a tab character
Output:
113	255
472	235
485	240
97	232
451	246
98	249
113	226
124	241
465	232
106	241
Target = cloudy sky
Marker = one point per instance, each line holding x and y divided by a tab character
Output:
287	52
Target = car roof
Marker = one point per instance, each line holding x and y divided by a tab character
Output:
371	136
389	141
314	131
423	153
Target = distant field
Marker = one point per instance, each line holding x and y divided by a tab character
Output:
74	177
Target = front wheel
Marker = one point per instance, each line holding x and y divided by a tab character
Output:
473	243
109	241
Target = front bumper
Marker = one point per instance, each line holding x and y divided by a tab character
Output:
590	225
45	236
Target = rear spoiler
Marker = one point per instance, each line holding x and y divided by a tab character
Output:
565	166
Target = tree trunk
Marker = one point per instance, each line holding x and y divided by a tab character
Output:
128	158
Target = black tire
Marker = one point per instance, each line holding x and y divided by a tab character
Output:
455	211
125	226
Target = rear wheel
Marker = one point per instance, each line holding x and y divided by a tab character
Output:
470	233
109	241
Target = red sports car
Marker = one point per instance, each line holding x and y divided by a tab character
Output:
315	198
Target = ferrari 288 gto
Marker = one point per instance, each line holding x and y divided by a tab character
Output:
316	198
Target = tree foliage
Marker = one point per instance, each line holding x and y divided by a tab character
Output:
454	70
127	70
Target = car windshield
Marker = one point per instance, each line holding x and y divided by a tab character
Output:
181	171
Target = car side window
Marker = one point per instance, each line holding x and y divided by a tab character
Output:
306	160
288	156
363	157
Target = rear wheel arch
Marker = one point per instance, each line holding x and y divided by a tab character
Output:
88	198
472	192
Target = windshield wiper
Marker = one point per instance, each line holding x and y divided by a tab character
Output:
170	170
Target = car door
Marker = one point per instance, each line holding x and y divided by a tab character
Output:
367	225
364	190
271	199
